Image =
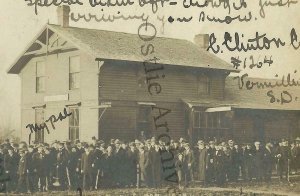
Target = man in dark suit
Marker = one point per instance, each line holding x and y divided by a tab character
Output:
248	155
132	162
219	159
119	157
258	160
23	185
87	160
283	156
38	162
30	173
11	166
211	152
73	158
268	161
233	162
61	164
189	161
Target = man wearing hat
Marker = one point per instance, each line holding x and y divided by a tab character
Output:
132	162
23	185
211	152
248	155
144	165
38	162
202	161
219	158
73	166
268	161
283	157
11	165
233	168
119	156
189	164
258	161
87	160
179	165
30	168
98	156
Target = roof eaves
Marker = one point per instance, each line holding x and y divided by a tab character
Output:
9	70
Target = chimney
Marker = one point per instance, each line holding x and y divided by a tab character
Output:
202	40
63	15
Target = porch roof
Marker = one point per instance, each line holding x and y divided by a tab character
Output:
209	103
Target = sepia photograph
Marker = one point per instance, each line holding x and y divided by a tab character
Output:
150	97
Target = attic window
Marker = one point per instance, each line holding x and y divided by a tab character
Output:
40	76
74	72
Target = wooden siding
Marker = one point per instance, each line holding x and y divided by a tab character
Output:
118	122
126	81
242	128
275	125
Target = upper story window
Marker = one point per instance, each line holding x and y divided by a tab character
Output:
74	72
40	76
203	85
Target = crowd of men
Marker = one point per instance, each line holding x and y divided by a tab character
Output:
148	163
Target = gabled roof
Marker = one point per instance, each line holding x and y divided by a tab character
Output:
258	98
124	46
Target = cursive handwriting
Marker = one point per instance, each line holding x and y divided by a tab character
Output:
226	4
226	19
189	3
248	84
233	43
294	39
107	18
48	3
110	3
53	119
154	4
279	3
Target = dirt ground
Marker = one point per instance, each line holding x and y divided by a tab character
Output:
275	188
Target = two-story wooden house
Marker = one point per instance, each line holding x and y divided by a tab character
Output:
99	76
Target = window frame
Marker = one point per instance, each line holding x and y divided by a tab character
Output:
202	114
39	135
38	77
73	126
212	120
74	73
206	81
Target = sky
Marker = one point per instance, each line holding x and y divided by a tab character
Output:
20	24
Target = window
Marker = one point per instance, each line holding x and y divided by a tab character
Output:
74	124
74	72
40	76
203	85
199	119
211	119
144	120
39	119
